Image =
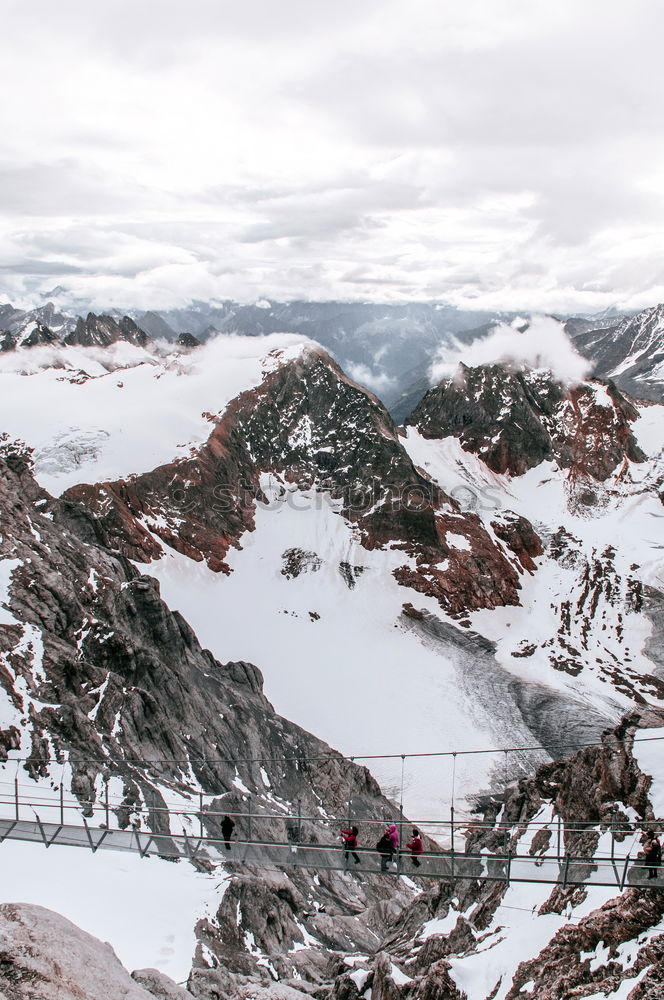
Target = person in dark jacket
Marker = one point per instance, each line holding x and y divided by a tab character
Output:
227	827
653	855
415	847
384	848
388	845
350	843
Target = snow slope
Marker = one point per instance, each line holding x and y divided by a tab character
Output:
616	545
89	424
648	754
345	663
146	908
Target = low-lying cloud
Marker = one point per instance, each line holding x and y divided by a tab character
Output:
543	344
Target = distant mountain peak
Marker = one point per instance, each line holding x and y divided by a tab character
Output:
102	331
516	419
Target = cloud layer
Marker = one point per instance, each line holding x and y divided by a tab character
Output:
494	155
544	344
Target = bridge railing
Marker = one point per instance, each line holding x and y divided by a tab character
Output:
257	837
202	810
441	865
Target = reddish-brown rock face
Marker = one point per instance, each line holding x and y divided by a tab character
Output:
309	425
514	420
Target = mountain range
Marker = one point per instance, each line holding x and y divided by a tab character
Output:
211	550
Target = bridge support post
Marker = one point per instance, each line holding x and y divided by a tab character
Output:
106	809
62	805
403	764
566	870
200	814
624	874
16	797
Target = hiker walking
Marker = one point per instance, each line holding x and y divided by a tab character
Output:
652	855
415	847
349	838
227	827
388	845
393	834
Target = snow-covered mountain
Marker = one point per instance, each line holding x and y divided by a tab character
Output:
30	328
376	344
631	352
489	576
98	676
388	349
575	462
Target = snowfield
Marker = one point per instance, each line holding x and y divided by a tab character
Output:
338	661
89	424
628	519
145	907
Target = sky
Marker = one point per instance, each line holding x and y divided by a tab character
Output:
492	155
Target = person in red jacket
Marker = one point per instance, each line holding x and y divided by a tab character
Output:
350	843
415	847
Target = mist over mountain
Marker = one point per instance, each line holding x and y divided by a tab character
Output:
392	350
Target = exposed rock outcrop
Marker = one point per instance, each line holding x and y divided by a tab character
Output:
43	956
95	670
514	420
102	331
600	790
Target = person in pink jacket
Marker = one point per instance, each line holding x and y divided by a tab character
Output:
393	835
415	847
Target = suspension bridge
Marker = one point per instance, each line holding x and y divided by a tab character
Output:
194	833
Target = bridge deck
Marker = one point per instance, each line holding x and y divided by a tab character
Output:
618	872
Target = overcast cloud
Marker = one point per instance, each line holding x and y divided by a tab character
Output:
495	155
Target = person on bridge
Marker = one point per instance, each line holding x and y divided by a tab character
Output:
652	855
388	845
415	847
227	827
384	848
350	843
393	834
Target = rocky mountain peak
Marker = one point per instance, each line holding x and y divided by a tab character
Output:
102	331
631	351
187	340
516	419
310	428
